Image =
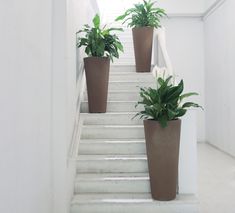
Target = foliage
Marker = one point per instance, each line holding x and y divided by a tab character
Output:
143	15
164	103
99	42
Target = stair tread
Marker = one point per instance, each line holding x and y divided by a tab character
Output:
129	198
131	73
112	126
121	141
111	176
115	101
130	81
120	91
111	157
107	113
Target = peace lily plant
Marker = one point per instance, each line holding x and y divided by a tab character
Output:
143	18
162	108
166	102
99	41
101	46
143	14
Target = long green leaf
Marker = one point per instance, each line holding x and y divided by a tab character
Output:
96	21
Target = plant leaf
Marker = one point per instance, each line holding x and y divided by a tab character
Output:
96	21
186	95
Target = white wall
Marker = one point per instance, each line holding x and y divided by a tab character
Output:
220	75
37	103
25	106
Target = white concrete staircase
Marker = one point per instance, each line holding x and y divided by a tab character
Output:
112	172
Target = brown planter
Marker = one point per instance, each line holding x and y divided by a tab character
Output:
162	146
97	79
143	40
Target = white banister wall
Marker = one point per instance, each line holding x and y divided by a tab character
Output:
67	89
220	75
78	13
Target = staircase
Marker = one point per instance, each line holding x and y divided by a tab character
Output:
112	172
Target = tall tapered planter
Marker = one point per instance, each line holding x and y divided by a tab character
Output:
163	156
97	79
143	40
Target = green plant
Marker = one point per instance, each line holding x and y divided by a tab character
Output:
164	103
99	42
143	15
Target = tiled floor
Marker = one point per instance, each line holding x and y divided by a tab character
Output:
216	180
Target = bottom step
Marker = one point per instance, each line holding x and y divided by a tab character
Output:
128	203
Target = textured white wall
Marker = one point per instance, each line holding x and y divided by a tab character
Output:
220	75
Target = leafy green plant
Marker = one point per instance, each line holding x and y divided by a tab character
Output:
99	42
164	103
143	15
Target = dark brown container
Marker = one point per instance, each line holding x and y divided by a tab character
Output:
143	41
97	79
163	158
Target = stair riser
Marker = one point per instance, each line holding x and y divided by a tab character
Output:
132	96
112	149
122	69
111	186
134	207
141	77
115	85
112	166
113	119
115	107
90	132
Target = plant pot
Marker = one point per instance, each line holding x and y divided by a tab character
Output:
162	146
143	40
97	79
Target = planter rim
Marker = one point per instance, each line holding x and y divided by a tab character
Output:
171	121
103	57
142	27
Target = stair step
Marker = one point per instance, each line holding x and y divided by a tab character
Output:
112	183
112	132
128	203
121	118
143	77
112	164
129	85
122	68
115	106
112	147
120	96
